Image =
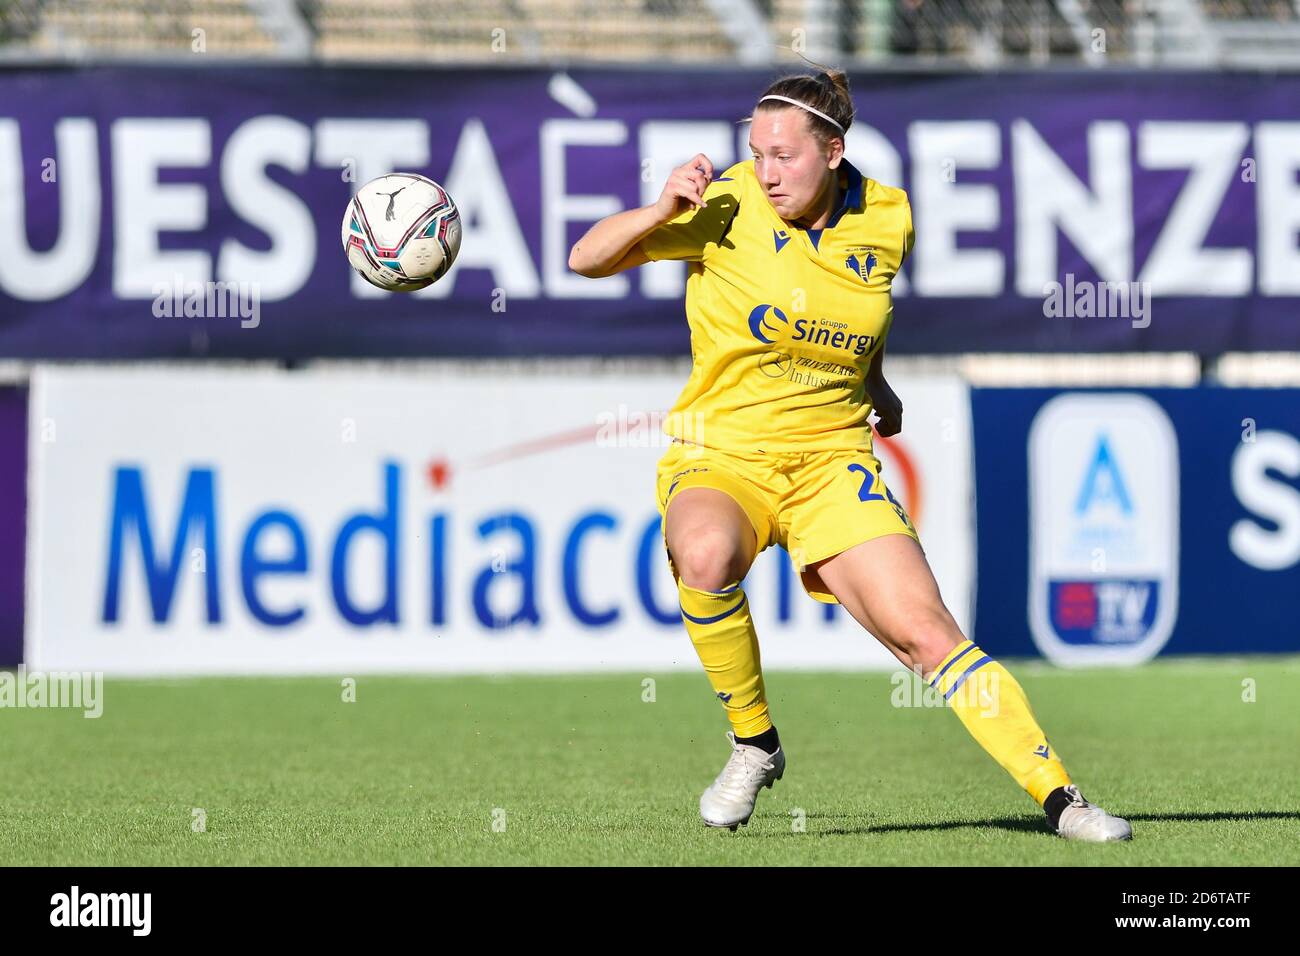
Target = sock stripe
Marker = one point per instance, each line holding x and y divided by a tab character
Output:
717	617
935	681
970	670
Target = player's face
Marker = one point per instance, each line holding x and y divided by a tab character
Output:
789	162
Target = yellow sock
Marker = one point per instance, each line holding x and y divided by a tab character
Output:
723	634
993	706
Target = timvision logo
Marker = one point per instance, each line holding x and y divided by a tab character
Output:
1103	488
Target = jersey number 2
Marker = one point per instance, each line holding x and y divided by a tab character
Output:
868	479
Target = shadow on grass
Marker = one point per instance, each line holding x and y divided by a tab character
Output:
1038	824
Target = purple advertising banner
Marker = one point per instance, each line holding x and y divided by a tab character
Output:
13	521
1061	211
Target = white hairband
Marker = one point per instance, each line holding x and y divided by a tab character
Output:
805	106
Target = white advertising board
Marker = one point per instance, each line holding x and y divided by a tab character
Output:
234	521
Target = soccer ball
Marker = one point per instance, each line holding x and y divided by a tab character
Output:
401	232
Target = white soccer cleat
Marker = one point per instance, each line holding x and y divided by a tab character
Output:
729	801
1090	824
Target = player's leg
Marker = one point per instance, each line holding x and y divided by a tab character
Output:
887	585
711	544
712	539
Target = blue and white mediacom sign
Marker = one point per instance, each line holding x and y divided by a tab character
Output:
346	521
1104	528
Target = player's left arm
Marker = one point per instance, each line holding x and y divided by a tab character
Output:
883	399
887	404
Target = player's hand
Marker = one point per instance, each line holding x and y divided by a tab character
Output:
888	406
685	188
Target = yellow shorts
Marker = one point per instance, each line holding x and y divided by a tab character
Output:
815	504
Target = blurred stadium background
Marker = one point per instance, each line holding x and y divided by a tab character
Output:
911	33
313	479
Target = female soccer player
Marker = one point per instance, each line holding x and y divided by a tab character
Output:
791	258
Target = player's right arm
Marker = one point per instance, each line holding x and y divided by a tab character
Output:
614	243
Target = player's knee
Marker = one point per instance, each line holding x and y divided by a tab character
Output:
707	561
928	640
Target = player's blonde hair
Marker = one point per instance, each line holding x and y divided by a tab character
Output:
827	92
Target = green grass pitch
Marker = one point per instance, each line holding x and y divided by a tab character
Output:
582	770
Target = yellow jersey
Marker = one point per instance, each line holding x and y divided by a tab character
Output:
784	320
